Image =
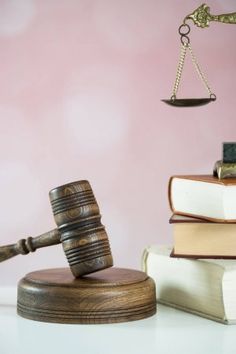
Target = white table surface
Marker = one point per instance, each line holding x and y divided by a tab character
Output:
169	331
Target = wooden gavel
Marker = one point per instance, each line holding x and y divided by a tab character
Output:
84	238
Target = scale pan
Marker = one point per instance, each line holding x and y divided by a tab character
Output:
189	102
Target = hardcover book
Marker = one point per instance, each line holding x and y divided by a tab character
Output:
203	287
203	196
198	238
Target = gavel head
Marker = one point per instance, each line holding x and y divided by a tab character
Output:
84	238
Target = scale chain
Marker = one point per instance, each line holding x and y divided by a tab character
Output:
179	70
184	47
199	71
184	31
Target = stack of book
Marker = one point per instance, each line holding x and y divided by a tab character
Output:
198	273
204	216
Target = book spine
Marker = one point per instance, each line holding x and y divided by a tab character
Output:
170	194
144	260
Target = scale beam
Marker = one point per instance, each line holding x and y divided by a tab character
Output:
202	17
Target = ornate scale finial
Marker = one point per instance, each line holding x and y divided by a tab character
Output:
202	17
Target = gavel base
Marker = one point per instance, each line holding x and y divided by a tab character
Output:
107	296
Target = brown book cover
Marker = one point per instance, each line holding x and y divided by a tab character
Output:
208	179
176	219
192	256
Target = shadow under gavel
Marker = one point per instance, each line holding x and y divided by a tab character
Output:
83	237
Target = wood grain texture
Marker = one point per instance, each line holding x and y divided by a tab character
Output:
84	238
30	244
107	296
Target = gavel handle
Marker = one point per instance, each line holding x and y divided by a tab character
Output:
24	246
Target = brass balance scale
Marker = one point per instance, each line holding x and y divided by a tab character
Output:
201	17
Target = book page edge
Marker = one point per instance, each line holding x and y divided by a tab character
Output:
195	312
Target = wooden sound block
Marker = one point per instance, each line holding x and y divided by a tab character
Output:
107	296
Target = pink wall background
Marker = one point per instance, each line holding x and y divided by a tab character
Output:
80	89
